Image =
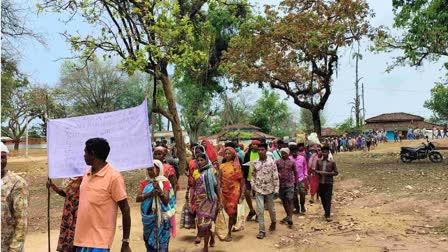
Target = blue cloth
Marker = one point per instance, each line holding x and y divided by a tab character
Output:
84	249
240	153
277	154
209	180
149	221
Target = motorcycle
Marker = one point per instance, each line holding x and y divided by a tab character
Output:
408	154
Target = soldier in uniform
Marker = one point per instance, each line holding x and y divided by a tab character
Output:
14	207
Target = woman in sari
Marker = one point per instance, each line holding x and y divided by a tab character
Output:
232	186
211	153
313	178
206	199
70	192
168	170
157	208
193	174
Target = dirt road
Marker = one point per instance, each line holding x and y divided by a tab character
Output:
379	204
362	223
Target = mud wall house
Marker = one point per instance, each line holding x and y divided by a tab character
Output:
241	133
328	132
400	121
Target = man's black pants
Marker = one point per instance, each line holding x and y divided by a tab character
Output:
326	193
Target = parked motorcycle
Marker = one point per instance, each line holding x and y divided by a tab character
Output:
408	154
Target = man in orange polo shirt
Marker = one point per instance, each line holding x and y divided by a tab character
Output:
102	191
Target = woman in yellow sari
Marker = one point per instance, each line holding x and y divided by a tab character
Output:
232	186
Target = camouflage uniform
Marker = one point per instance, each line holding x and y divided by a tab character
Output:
14	212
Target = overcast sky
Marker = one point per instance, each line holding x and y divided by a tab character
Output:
403	90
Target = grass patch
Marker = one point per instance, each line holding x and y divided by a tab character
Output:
387	174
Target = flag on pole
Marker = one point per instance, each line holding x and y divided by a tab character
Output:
127	131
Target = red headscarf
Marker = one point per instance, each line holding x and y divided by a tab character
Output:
256	142
211	153
236	160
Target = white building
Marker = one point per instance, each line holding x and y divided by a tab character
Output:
168	136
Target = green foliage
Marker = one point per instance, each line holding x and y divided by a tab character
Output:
11	80
270	112
147	35
306	121
36	131
345	126
46	103
232	110
195	101
198	83
438	103
100	87
15	103
294	47
240	135
136	89
261	122
349	126
425	35
213	30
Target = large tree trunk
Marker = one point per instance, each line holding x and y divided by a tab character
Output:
16	144
316	122
175	121
153	125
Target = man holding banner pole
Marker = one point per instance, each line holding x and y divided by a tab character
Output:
102	192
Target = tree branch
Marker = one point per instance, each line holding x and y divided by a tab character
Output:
160	110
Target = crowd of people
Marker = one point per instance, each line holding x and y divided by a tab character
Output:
224	179
355	143
219	180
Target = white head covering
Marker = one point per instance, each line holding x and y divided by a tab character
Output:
285	150
160	179
4	148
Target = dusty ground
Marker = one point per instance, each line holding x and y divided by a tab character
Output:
380	204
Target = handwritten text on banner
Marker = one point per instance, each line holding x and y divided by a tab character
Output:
127	132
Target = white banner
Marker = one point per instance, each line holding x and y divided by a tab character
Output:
127	131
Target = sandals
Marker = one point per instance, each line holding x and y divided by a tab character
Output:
272	226
228	239
261	235
251	215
